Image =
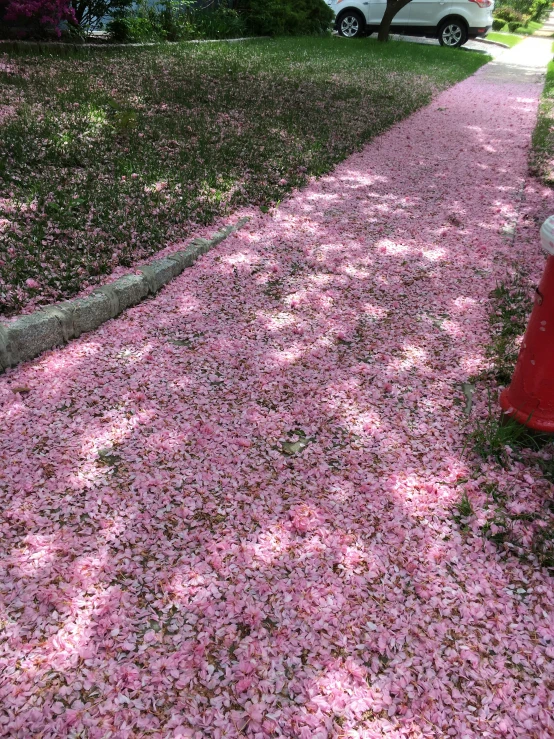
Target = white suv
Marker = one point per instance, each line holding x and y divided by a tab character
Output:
453	22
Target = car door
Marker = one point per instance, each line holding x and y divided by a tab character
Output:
427	13
376	10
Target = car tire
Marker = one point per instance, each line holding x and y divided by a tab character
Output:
351	24
452	33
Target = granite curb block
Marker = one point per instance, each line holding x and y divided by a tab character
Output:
28	336
490	42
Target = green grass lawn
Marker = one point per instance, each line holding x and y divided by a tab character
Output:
530	28
105	155
542	149
510	39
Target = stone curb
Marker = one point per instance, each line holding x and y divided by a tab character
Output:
28	336
490	42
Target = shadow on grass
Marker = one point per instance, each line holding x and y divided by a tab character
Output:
107	155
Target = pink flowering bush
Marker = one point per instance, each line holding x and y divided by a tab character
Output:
39	16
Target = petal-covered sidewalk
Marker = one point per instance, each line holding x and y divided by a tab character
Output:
229	513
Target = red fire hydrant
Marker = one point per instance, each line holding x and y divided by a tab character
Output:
530	397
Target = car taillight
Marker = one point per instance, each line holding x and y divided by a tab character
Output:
482	3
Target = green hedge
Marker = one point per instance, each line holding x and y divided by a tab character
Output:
175	20
508	15
522	10
286	17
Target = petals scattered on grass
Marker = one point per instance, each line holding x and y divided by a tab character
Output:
106	156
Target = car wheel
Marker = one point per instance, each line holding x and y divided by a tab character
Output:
452	33
351	24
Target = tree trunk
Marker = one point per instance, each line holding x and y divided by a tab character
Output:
393	7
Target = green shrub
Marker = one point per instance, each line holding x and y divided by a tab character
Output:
535	9
513	26
523	30
509	15
133	29
220	23
175	20
539	8
498	24
286	17
179	21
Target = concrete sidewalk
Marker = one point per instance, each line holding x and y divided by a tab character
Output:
233	511
547	31
525	62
